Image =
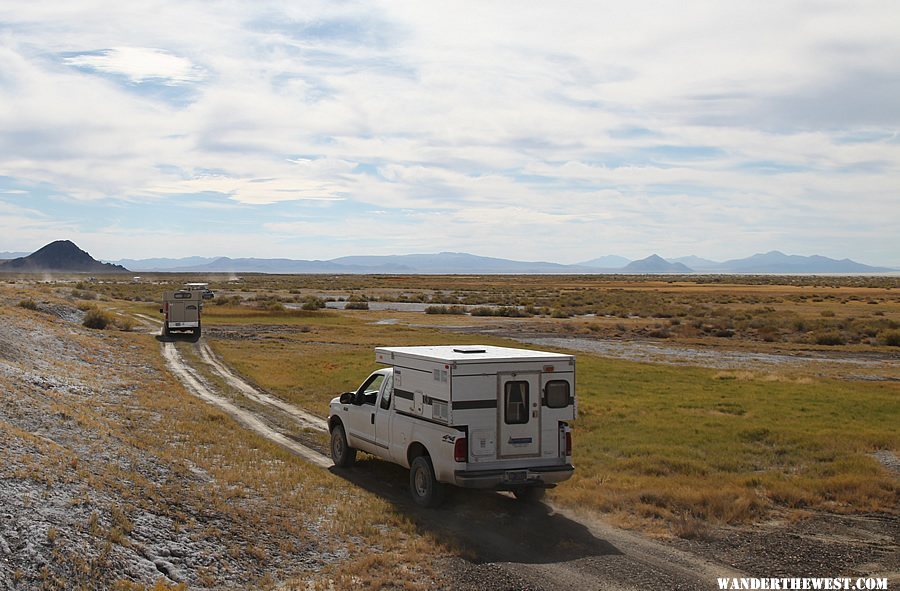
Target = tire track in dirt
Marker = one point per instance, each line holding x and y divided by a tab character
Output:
301	416
195	384
147	321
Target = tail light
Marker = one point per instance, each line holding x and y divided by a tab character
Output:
568	442
460	449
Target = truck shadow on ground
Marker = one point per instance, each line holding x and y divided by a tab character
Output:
175	338
484	526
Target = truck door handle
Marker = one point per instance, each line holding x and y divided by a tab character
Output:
373	418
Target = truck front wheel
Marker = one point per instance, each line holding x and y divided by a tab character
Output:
341	453
426	490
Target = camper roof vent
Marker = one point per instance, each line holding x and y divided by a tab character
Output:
469	350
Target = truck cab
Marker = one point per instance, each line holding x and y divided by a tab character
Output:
369	409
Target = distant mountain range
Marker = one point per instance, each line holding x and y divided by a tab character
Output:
60	256
63	255
459	263
609	261
12	255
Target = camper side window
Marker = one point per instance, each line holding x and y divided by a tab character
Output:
515	402
557	394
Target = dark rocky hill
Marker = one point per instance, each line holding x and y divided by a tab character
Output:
60	256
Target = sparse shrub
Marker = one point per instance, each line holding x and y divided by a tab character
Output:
725	333
356	305
830	338
270	306
689	527
827	314
234	300
125	323
510	312
313	303
93	524
96	318
445	310
28	304
891	339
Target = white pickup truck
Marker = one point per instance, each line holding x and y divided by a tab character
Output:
181	309
473	416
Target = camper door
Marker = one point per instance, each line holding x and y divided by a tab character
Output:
519	400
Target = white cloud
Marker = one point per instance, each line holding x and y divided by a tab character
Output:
140	64
481	119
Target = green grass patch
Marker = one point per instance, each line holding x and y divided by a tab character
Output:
653	443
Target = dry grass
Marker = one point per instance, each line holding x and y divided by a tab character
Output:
655	444
828	312
672	442
222	483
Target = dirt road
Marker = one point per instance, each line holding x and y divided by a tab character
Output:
196	385
505	544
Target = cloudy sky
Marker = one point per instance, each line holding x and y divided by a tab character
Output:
524	130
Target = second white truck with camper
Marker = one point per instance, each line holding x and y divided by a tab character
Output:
474	416
181	309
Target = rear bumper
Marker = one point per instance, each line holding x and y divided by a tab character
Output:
542	476
184	325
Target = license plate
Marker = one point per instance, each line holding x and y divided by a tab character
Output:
518	476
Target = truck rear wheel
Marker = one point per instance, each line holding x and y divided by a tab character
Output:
426	490
342	454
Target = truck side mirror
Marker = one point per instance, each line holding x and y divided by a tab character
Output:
347	398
